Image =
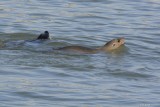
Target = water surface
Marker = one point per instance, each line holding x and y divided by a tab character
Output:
32	74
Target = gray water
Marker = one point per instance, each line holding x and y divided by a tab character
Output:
33	75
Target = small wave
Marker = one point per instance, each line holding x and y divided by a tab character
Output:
92	1
131	75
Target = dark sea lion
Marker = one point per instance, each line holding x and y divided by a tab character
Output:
109	46
33	42
44	36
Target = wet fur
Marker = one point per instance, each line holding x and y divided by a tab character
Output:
79	49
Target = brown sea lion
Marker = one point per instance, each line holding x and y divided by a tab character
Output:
109	46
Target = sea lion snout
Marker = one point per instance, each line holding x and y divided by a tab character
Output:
121	40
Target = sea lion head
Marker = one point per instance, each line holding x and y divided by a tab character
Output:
46	32
113	44
44	35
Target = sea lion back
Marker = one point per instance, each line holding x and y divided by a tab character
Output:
79	49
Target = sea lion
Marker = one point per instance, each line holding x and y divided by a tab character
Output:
33	42
109	46
44	36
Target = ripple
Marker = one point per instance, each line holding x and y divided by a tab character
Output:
92	1
32	74
131	75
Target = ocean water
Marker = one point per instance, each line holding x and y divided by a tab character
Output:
32	74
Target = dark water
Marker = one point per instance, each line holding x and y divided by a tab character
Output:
32	75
